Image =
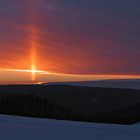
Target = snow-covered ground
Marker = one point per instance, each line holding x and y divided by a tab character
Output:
132	84
22	128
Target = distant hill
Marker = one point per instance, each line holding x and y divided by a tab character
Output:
122	83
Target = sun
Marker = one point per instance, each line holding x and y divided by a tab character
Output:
34	71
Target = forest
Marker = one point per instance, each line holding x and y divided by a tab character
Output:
31	104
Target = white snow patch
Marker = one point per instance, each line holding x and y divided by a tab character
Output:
22	128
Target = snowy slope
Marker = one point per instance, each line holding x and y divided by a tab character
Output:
131	84
21	128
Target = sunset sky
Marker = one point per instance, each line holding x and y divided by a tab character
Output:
86	37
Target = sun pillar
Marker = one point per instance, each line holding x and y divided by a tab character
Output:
33	75
33	57
33	60
33	35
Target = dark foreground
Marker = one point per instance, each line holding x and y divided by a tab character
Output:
90	104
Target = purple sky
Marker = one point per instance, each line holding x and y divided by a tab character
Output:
71	36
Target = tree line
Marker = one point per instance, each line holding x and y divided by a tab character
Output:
31	105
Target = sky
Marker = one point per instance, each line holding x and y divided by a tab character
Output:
83	37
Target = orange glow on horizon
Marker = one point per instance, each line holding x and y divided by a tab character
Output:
24	70
33	71
19	76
